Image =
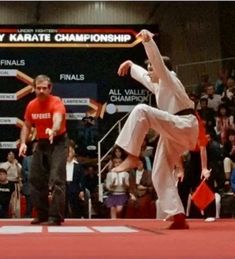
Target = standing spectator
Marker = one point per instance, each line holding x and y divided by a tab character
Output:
75	187
48	168
7	188
91	178
88	122
201	87
14	174
229	91
117	184
198	160
207	115
91	184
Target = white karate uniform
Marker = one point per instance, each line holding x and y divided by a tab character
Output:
177	133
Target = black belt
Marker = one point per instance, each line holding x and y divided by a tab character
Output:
55	139
185	112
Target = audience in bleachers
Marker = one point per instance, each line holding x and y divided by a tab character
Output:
217	108
130	194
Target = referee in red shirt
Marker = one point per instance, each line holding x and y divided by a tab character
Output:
48	169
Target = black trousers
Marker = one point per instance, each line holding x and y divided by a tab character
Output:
190	182
48	173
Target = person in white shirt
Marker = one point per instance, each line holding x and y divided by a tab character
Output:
75	187
174	120
214	100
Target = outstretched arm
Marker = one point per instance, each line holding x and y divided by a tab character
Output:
153	54
24	134
137	72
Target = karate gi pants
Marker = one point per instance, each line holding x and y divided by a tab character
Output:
177	135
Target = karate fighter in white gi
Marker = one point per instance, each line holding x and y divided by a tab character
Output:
174	120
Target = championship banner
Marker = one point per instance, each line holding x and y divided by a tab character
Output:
69	37
82	62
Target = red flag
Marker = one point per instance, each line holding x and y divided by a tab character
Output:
203	196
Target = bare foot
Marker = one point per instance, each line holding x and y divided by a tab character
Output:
129	163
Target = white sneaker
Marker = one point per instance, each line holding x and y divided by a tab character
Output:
210	219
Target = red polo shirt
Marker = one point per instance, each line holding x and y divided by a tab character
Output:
40	114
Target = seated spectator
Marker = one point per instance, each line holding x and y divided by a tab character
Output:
229	91
214	100
224	122
117	184
14	174
13	168
141	203
7	188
